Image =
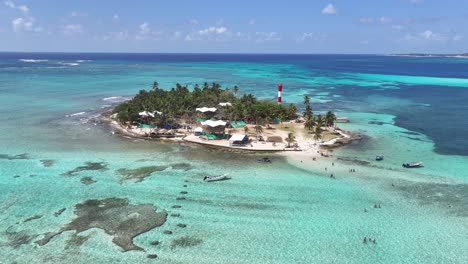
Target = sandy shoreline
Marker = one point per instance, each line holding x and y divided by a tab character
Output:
304	145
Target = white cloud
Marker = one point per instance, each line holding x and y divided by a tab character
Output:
329	10
385	20
120	35
146	32
216	30
366	20
312	37
73	29
252	21
428	34
10	4
267	36
145	29
23	8
115	18
24	25
211	34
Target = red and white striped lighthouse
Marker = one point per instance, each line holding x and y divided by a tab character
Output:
280	89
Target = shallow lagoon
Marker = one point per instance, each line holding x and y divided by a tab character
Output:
284	212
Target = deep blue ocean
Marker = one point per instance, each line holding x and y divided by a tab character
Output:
430	93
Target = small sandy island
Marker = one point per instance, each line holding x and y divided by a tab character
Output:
272	138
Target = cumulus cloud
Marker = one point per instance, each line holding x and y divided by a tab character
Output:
22	8
211	33
267	36
308	36
73	29
120	35
146	32
329	10
25	25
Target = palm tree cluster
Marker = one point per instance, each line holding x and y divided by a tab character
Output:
316	123
180	102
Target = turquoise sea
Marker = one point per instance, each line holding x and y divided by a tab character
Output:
53	155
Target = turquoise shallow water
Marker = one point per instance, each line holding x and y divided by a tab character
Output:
284	212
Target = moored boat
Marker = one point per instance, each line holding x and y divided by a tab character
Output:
412	165
379	157
216	177
264	160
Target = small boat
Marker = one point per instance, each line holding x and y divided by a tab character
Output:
412	165
379	157
264	160
217	177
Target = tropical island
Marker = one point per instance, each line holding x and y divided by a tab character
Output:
222	117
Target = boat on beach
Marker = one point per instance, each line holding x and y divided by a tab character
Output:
412	165
217	177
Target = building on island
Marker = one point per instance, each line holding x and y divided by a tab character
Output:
238	140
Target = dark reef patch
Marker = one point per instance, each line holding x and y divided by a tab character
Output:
355	161
59	212
89	166
15	157
47	162
181	166
452	197
185	241
87	180
75	241
379	123
139	174
34	217
17	238
116	217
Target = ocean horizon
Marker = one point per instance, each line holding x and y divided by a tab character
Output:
54	155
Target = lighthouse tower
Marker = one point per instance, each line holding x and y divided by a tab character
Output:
280	89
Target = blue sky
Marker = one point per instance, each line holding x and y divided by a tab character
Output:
275	26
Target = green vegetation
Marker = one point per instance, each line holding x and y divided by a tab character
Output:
180	103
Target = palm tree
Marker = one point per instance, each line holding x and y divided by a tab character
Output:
309	124
318	134
258	129
290	139
330	119
246	130
319	121
155	85
235	90
308	109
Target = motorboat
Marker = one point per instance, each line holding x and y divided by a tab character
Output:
412	165
379	157
216	177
